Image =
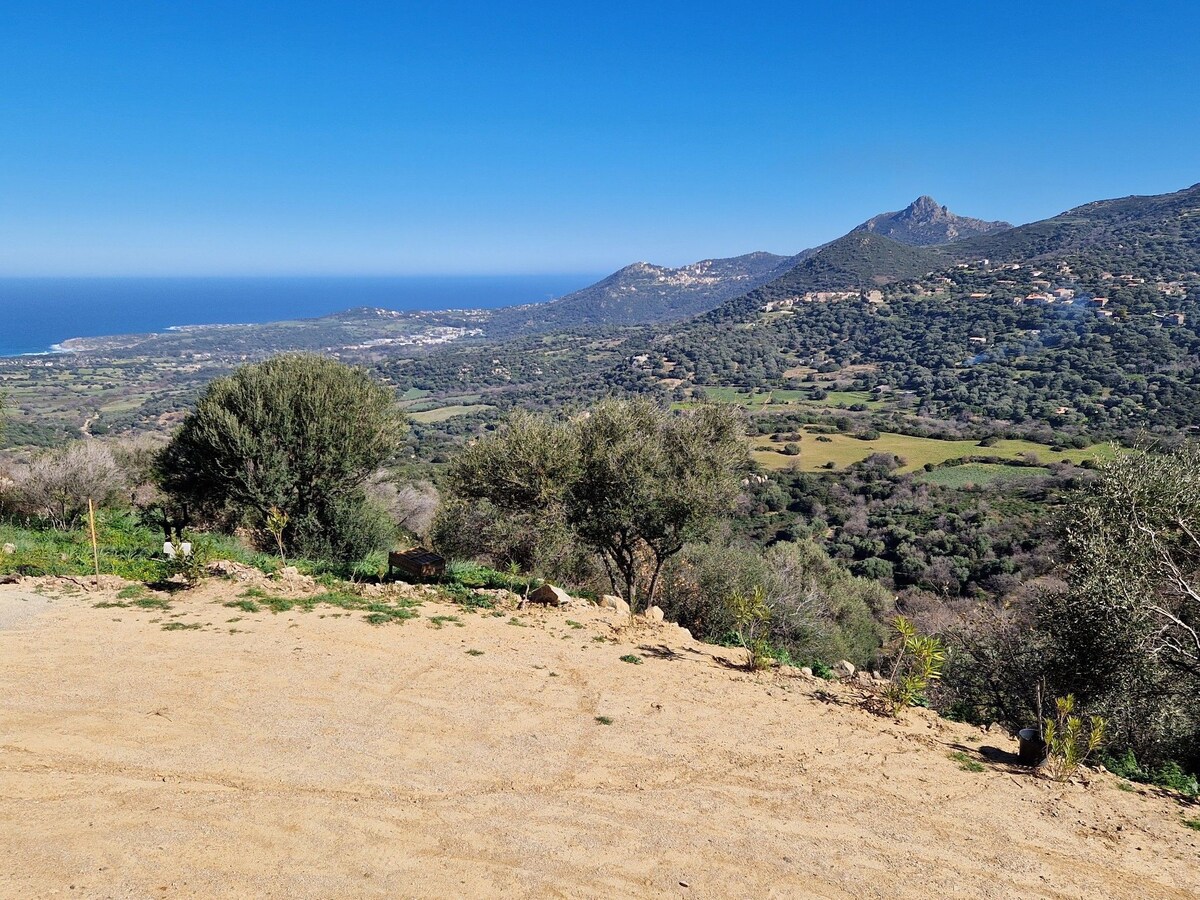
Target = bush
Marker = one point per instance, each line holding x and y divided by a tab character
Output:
819	612
300	434
57	485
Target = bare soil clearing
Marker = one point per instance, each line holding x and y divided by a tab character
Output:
309	754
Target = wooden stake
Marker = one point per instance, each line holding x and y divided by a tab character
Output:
95	547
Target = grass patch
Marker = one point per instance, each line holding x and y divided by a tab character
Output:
515	621
246	605
439	621
965	762
447	412
132	592
632	659
474	652
604	720
181	626
846	449
1193	824
574	624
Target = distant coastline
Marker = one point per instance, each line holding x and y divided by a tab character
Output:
46	316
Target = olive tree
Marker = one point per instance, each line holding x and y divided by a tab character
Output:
1125	633
629	480
296	435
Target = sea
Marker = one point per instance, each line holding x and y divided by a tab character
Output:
36	314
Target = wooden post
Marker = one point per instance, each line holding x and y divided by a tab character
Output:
95	547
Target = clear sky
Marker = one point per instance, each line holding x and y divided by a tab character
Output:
393	137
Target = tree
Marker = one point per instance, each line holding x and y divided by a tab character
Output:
1124	636
297	434
57	485
630	480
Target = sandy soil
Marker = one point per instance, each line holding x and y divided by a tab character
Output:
314	755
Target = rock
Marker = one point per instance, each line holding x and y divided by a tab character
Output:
654	614
10	549
10	579
227	568
611	601
289	572
550	595
844	668
806	671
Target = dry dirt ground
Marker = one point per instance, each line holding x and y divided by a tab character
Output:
310	754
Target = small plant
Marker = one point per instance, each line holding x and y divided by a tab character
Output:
246	605
1193	824
474	652
574	624
751	616
277	521
1069	740
515	621
632	659
181	626
965	762
439	621
916	663
131	592
604	720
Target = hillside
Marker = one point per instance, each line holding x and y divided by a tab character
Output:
644	293
239	753
1159	234
859	261
924	222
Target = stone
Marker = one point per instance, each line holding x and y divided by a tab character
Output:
806	671
550	595
611	601
654	614
10	549
844	668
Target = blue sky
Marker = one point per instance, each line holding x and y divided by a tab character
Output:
358	137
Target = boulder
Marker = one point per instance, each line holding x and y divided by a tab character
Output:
806	671
10	549
844	668
611	601
654	614
550	595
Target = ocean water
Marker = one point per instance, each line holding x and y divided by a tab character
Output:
36	313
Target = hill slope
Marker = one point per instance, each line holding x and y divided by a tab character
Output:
644	293
302	755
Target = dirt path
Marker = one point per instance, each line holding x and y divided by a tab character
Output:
313	755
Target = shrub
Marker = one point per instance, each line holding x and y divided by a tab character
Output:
298	433
1069	741
57	485
751	618
916	663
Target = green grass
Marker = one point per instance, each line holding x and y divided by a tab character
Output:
515	621
440	621
574	624
965	762
846	449
632	659
182	626
441	414
246	605
1193	824
132	592
978	475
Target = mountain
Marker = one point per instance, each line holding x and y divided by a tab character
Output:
645	293
1158	232
925	222
858	261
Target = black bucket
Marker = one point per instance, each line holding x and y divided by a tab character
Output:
1032	751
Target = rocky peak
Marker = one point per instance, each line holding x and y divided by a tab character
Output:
925	221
